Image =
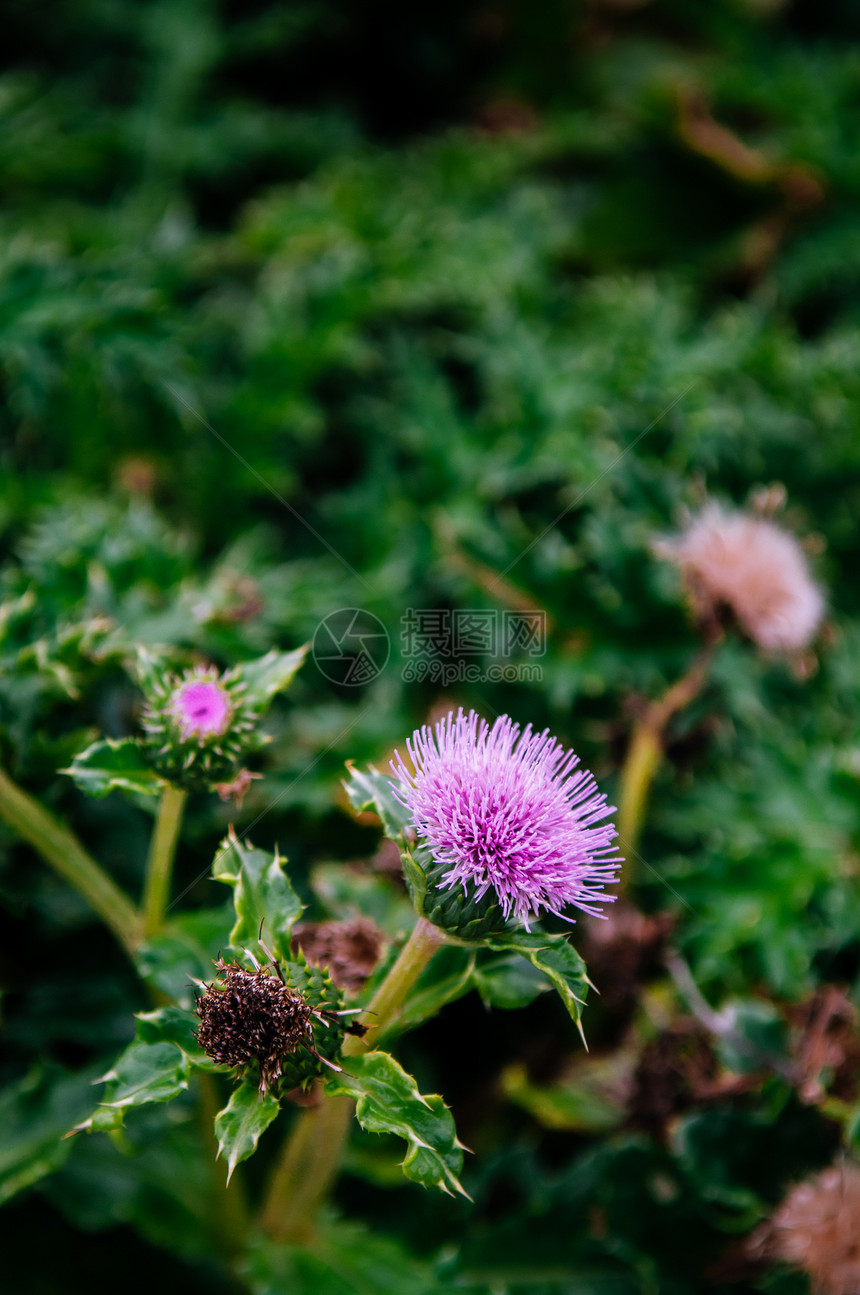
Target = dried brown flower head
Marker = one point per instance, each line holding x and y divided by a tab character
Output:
827	1046
623	952
254	1016
817	1228
350	950
238	788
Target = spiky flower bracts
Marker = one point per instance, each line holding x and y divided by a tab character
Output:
199	726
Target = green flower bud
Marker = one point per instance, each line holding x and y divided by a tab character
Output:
450	907
319	991
199	726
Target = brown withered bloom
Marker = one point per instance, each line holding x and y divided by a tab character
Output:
827	1046
238	788
350	950
817	1228
624	952
254	1016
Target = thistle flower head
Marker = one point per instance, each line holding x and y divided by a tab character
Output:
750	565
507	817
817	1228
202	707
256	1017
198	726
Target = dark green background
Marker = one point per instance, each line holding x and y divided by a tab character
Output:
432	271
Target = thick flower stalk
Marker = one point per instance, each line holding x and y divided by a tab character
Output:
510	827
199	727
740	570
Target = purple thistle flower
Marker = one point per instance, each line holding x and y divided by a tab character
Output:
504	809
201	707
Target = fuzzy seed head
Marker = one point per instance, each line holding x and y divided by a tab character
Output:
753	567
506	814
817	1228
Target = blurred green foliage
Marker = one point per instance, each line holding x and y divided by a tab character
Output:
320	305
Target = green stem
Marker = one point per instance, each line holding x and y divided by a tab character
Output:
384	1007
159	867
308	1167
646	751
229	1207
640	767
63	851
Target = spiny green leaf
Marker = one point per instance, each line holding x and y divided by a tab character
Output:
508	980
183	951
35	1113
270	674
370	789
754	1037
150	671
104	1119
146	1072
168	1025
262	895
556	959
387	1100
447	978
238	1127
154	1068
505	980
416	877
177	1026
346	1259
584	1101
110	765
